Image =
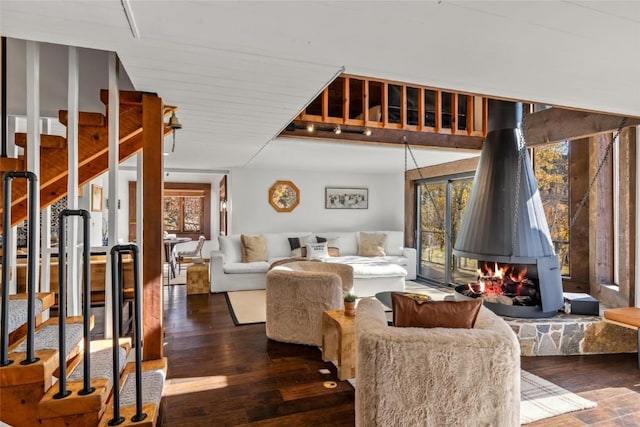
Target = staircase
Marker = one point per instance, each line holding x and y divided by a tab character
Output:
33	390
55	375
93	152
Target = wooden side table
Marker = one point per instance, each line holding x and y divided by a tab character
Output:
198	279
338	342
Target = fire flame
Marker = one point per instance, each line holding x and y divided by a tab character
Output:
499	279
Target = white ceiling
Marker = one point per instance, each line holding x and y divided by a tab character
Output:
240	71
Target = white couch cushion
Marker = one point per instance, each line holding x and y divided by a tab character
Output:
394	243
230	248
348	240
278	243
246	267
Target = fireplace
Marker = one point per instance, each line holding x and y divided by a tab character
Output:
504	225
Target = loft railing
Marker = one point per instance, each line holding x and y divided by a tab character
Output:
374	103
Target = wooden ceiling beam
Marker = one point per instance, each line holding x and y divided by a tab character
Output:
558	124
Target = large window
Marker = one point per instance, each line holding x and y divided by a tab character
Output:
551	167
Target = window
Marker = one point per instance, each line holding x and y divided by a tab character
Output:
187	209
183	214
551	168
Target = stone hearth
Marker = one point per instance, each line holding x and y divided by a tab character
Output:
570	334
560	335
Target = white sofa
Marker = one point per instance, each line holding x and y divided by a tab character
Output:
229	273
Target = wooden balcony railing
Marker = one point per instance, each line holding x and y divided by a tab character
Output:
365	109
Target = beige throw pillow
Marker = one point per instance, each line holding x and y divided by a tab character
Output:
372	244
254	248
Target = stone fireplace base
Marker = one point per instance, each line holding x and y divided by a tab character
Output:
560	335
570	334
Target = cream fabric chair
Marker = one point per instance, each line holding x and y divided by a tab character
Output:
437	376
194	253
298	293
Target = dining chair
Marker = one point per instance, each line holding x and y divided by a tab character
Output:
197	252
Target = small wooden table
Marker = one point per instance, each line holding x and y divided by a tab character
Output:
338	342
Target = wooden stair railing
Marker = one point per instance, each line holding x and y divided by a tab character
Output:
93	155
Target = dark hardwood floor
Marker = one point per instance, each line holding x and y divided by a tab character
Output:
226	375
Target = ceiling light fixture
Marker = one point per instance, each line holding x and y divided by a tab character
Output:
310	127
174	124
337	130
366	132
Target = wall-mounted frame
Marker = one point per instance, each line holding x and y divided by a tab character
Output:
346	198
284	196
96	198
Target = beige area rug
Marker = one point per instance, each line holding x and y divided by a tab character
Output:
180	279
247	307
542	399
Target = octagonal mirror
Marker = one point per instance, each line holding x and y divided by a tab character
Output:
284	196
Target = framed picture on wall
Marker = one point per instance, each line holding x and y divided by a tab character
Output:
346	198
96	198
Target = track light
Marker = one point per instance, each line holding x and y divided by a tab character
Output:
310	127
337	130
366	132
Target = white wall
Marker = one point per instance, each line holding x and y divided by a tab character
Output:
250	211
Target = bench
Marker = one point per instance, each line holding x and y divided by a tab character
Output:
627	317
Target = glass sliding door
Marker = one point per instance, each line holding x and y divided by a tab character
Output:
441	203
432	235
463	270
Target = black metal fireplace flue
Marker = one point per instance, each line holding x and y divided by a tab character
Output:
504	220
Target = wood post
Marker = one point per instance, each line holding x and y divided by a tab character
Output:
152	123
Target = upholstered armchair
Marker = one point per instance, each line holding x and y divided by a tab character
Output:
435	376
297	295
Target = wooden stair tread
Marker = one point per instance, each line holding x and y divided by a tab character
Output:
18	309
84	118
46	141
154	375
46	336
90	407
101	360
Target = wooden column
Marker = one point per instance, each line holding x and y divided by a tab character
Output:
578	185
627	207
600	219
152	119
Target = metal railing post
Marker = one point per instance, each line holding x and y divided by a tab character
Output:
31	267
62	302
